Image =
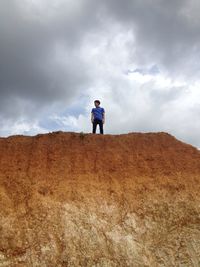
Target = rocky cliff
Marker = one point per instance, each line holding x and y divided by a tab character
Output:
70	199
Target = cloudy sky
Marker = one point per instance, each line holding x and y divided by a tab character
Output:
139	57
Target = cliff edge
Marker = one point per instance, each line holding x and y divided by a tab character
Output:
75	199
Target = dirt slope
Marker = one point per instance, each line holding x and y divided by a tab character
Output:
70	199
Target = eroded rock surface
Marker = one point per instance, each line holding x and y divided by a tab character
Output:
70	199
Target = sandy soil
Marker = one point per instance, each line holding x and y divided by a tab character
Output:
70	199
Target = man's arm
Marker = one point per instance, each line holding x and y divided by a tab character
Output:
103	119
92	117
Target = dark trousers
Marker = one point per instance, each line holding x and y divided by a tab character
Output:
95	122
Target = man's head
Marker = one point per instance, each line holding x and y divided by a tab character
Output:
96	103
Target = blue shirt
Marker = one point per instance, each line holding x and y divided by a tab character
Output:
98	113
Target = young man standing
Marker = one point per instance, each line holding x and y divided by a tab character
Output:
97	116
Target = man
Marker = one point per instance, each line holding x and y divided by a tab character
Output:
97	116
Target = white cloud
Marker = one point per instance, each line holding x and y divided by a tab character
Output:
65	121
21	127
154	104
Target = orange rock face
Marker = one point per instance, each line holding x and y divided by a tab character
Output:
70	199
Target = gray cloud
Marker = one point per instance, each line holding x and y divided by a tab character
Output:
39	55
166	32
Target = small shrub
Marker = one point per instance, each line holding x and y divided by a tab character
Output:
82	135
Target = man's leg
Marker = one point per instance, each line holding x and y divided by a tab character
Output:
101	127
94	126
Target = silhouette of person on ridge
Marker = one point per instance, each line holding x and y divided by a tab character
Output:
97	117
